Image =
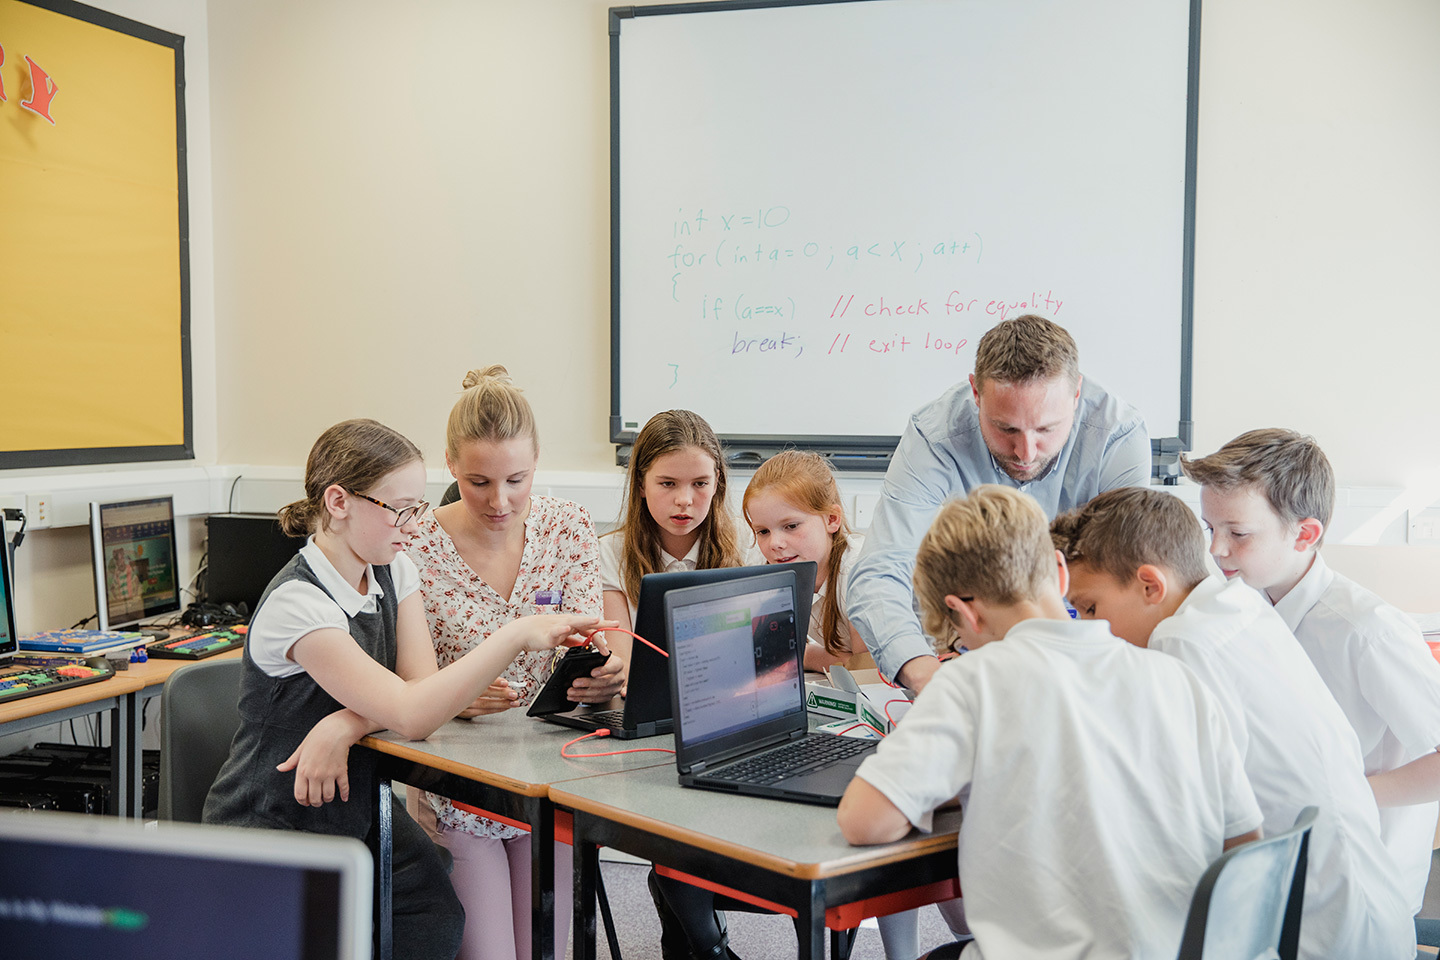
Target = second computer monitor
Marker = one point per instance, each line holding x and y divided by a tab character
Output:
133	553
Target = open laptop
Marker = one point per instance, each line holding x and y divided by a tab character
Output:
87	886
737	680
647	711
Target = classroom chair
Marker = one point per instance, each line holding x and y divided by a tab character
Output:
1247	904
199	714
451	494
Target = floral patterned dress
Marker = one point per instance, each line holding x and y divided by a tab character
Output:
561	553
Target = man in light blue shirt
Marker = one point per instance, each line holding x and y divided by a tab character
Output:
1026	419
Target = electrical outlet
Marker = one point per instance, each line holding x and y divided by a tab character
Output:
1425	526
39	508
865	504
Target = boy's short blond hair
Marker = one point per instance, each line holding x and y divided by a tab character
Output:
992	544
1024	349
1121	530
1288	467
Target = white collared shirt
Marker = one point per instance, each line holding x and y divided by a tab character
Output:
296	608
1299	751
1379	668
612	549
1099	781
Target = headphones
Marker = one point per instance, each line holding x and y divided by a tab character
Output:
214	614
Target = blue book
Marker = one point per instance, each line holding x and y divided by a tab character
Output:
81	641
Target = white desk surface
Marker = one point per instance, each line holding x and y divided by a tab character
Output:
794	839
518	753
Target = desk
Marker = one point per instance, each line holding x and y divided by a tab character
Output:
504	763
115	694
788	853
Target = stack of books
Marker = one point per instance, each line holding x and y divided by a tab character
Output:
82	641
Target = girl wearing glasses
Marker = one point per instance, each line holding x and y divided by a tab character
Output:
497	553
338	647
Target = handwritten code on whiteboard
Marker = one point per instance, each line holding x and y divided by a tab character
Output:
823	208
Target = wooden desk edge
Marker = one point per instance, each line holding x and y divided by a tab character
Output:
863	858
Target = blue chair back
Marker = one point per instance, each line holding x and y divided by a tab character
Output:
1247	905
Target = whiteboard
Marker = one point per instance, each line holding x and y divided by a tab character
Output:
818	209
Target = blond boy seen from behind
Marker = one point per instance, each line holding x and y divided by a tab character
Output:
1268	496
1098	780
1137	560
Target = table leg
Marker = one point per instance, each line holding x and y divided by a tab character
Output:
810	926
384	872
587	866
125	758
542	879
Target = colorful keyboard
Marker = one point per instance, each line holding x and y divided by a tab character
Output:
200	646
20	682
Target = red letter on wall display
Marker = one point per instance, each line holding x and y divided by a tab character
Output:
42	91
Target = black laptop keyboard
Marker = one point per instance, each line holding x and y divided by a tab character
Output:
615	719
801	756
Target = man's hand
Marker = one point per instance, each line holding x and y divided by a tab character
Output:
916	673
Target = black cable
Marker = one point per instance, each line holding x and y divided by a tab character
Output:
230	504
80	623
15	513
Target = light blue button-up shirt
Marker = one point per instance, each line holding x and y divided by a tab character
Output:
942	455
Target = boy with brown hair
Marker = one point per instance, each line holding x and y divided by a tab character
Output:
1268	495
1137	559
1099	781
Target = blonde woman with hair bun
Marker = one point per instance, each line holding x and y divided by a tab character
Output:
499	553
338	648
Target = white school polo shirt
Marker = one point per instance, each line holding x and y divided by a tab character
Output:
1098	780
612	547
1379	668
296	608
1299	751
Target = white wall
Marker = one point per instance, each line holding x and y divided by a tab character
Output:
405	191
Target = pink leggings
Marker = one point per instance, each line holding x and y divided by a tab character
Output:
492	880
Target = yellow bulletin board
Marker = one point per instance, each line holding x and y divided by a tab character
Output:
94	239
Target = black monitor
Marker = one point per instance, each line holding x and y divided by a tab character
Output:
134	557
88	886
9	640
244	551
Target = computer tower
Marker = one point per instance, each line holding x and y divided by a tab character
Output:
245	552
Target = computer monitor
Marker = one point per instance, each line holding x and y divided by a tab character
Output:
87	886
9	640
244	551
133	552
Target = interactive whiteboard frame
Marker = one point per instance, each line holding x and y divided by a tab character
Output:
873	452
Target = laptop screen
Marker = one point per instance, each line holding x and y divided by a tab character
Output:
735	660
90	886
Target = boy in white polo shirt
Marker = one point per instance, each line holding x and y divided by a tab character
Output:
1137	559
1098	780
1268	496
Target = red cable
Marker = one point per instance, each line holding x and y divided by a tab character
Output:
610	753
887	707
635	635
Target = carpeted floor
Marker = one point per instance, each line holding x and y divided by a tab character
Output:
752	936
